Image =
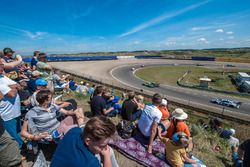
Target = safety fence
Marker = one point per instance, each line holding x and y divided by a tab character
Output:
55	58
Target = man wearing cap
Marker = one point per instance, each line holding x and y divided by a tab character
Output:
164	110
41	84
42	64
8	61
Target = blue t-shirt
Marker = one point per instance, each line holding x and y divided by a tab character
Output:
72	152
31	85
33	62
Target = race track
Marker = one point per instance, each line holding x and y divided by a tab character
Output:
119	72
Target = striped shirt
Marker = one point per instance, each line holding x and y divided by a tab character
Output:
41	120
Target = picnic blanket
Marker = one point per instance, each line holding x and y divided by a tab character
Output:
136	151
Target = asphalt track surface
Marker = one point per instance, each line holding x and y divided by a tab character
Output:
120	71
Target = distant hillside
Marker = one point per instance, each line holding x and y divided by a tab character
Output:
221	54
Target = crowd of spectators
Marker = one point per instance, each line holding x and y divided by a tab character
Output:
31	116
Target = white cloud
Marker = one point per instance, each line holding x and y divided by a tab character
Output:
29	34
231	37
202	40
219	30
230	32
161	18
136	42
36	35
170	43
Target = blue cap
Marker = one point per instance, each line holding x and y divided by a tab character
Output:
41	82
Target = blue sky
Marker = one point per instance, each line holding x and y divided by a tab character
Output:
69	26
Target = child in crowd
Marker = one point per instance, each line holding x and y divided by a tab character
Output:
175	149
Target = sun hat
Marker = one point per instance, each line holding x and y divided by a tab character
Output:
164	102
179	114
41	82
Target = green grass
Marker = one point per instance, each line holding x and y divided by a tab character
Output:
169	76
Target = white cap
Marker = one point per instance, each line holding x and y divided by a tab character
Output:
164	102
233	131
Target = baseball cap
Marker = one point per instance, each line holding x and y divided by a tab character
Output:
8	50
164	102
41	82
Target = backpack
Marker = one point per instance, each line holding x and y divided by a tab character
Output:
125	129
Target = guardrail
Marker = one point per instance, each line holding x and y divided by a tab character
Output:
208	110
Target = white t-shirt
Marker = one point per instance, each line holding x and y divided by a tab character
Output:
149	115
6	81
4	89
9	106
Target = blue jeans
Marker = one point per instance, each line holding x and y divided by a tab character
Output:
13	127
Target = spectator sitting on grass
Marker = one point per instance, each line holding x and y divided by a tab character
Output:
178	124
10	60
82	88
10	112
148	122
175	149
241	154
41	84
9	152
111	101
32	82
164	110
41	121
60	82
130	110
87	147
98	103
42	64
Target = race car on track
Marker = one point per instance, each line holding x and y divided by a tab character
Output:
151	84
226	102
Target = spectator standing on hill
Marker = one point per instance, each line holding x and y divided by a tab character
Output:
98	103
34	61
149	120
79	147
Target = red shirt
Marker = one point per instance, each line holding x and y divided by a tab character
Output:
164	111
181	126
